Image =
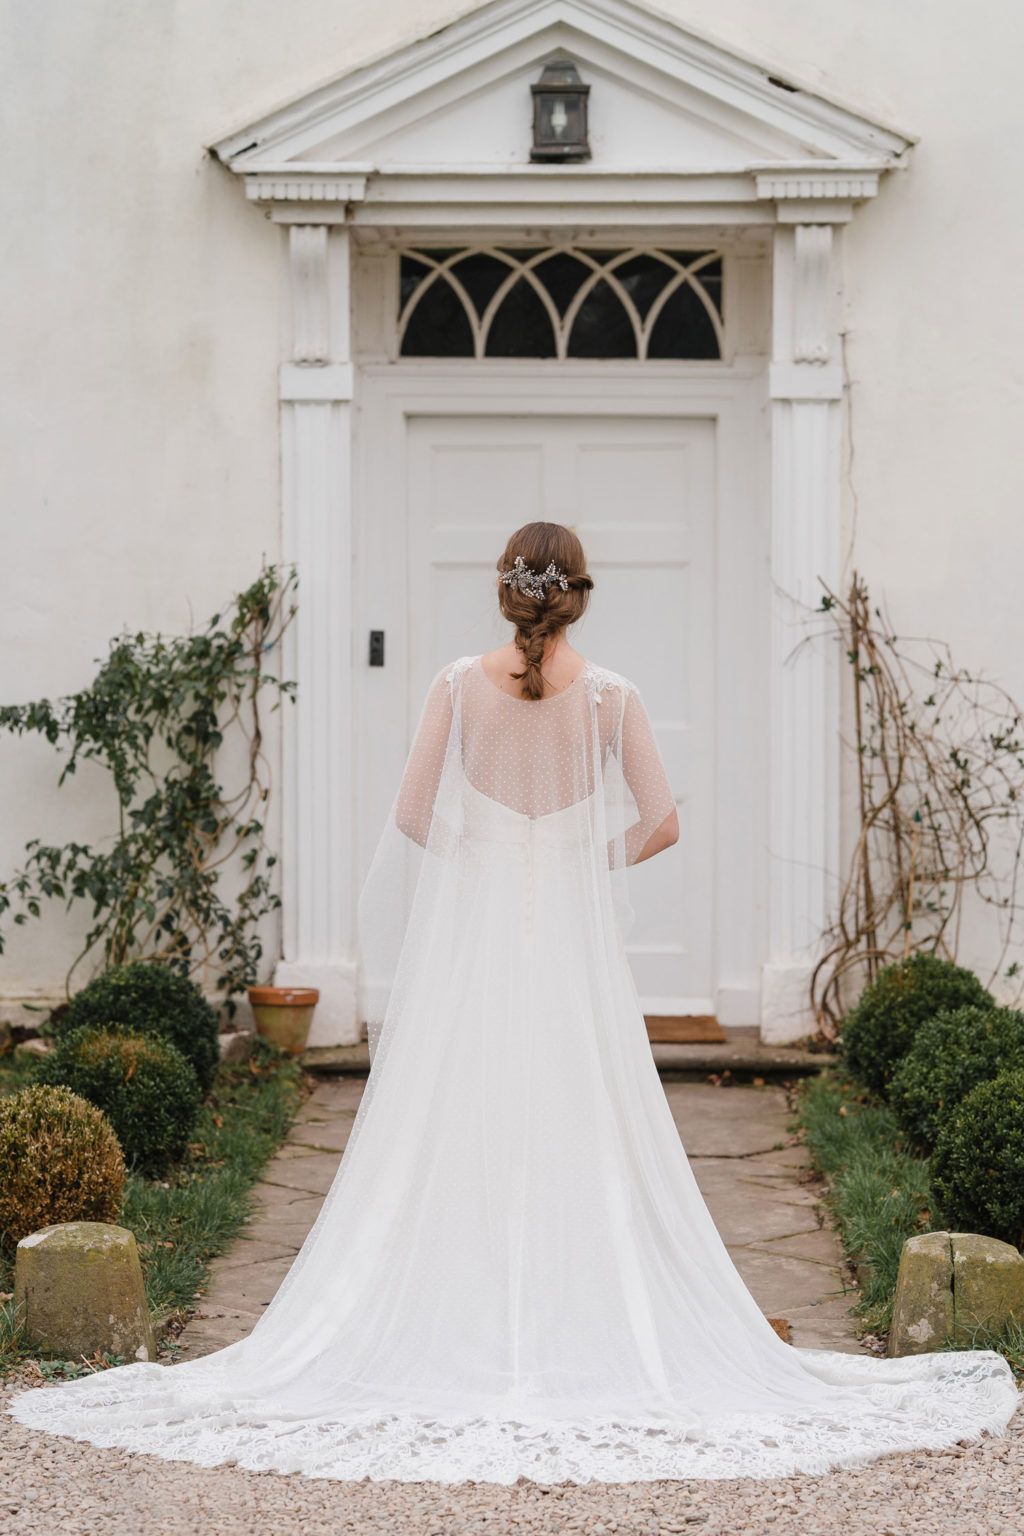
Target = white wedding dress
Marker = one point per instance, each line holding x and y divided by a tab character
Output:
514	1273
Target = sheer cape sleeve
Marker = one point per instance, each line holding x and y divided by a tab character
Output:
645	776
422	829
414	807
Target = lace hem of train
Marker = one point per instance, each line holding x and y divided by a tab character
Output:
953	1403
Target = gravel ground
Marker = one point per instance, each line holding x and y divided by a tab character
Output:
61	1486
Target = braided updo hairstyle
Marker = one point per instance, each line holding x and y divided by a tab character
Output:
539	620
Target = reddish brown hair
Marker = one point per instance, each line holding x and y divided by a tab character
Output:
539	620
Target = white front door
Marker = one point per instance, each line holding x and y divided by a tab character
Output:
640	491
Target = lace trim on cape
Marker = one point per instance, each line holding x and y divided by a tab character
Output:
458	669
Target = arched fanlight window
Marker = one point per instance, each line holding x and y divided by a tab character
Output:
567	302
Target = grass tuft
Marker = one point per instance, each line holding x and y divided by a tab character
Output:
1009	1342
879	1190
13	1343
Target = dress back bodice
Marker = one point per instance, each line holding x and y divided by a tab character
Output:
486	820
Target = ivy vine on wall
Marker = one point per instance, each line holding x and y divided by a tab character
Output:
165	717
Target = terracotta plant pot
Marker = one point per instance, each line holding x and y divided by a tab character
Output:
283	1015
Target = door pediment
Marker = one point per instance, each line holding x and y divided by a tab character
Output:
638	120
673	118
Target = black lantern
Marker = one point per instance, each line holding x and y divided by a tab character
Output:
560	114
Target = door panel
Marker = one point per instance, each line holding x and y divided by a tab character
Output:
640	492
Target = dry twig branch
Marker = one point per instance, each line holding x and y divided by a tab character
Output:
940	780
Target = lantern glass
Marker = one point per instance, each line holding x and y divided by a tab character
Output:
560	114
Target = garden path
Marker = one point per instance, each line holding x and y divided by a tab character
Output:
757	1185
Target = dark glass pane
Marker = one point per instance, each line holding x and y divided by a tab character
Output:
602	328
412	274
684	328
481	276
522	326
643	278
602	256
562	275
710	275
439	325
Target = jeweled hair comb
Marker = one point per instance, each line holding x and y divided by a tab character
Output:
534	584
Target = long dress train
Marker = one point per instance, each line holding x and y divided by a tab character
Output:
514	1273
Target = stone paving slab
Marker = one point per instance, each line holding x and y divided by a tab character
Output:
253	1250
312	1172
816	1246
755	1180
756	1183
756	1220
318	1136
290	1200
782	1284
823	1323
727	1122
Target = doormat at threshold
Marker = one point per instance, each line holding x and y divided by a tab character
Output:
694	1029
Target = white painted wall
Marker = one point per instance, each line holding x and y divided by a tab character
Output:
138	419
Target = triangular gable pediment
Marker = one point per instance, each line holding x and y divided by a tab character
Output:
638	117
662	100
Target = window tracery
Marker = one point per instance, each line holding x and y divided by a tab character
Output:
560	302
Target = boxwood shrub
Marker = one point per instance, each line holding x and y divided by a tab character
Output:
59	1161
150	999
880	1029
144	1086
951	1054
977	1168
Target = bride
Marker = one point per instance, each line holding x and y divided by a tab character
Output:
514	1273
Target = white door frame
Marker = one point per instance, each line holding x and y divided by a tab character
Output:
390	396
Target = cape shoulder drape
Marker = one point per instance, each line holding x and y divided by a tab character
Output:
514	1273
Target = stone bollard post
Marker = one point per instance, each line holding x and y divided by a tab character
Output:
949	1285
79	1288
922	1307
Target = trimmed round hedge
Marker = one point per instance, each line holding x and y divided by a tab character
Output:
951	1054
977	1168
150	999
880	1029
59	1161
144	1086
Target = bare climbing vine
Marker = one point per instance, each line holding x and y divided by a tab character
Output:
940	794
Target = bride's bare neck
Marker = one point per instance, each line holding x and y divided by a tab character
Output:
560	665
